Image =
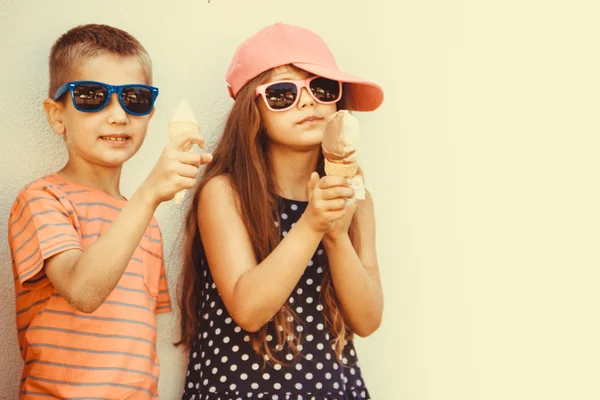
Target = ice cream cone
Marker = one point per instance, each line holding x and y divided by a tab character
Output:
183	121
341	169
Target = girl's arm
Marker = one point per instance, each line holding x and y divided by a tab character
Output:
254	292
355	271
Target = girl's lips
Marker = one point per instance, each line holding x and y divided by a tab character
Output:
312	118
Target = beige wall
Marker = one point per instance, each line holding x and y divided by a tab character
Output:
482	161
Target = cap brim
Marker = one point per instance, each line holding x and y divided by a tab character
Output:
362	95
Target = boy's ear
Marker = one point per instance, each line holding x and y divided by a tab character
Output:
54	115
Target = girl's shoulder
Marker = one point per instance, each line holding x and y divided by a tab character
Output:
218	190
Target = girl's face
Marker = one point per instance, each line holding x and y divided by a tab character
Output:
302	126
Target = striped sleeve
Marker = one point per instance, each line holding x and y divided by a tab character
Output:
41	224
163	302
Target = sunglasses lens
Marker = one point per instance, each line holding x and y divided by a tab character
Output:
325	90
90	96
281	95
137	99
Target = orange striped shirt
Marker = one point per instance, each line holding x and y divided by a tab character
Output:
110	353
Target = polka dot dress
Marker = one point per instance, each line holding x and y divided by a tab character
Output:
224	366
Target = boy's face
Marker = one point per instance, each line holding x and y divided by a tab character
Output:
111	136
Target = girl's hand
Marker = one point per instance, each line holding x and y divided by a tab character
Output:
341	226
327	198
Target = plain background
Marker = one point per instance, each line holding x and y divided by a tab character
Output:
482	162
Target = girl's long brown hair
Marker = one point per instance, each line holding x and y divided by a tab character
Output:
242	155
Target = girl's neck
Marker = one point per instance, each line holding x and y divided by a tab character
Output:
292	170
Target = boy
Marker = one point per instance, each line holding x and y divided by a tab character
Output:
88	264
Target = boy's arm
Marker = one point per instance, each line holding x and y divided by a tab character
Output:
85	279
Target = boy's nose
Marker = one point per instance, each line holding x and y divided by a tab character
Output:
116	113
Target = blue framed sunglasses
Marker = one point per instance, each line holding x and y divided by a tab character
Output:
92	96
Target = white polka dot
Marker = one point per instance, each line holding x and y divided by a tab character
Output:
255	366
320	327
320	252
218	331
284	216
310	263
194	355
207	363
233	367
216	350
212	304
289	357
320	346
299	367
290	319
328	375
298	386
320	366
336	385
299	328
309	281
328	356
212	389
319	270
352	371
235	348
245	357
309	318
269	338
299	310
204	335
266	376
284	233
300	347
294	207
309	300
228	320
226	339
309	356
276	224
310	338
335	366
345	360
277	367
205	382
290	338
288	376
190	385
246	338
277	385
319	385
213	285
232	386
215	370
299	291
254	386
223	378
224	359
320	307
309	376
318	288
219	311
358	382
244	377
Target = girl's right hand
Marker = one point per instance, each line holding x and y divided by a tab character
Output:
327	199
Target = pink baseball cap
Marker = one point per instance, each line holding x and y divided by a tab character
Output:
282	44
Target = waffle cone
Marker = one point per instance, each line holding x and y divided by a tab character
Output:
339	169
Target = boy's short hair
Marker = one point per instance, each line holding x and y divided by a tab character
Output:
83	42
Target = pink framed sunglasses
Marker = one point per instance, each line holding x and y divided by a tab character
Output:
283	95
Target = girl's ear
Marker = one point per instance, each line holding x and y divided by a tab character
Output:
55	115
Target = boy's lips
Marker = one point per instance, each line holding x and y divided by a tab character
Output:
312	118
116	137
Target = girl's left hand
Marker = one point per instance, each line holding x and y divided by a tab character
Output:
341	226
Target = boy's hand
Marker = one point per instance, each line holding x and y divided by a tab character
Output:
327	201
176	168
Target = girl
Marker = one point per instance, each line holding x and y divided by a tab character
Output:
279	273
